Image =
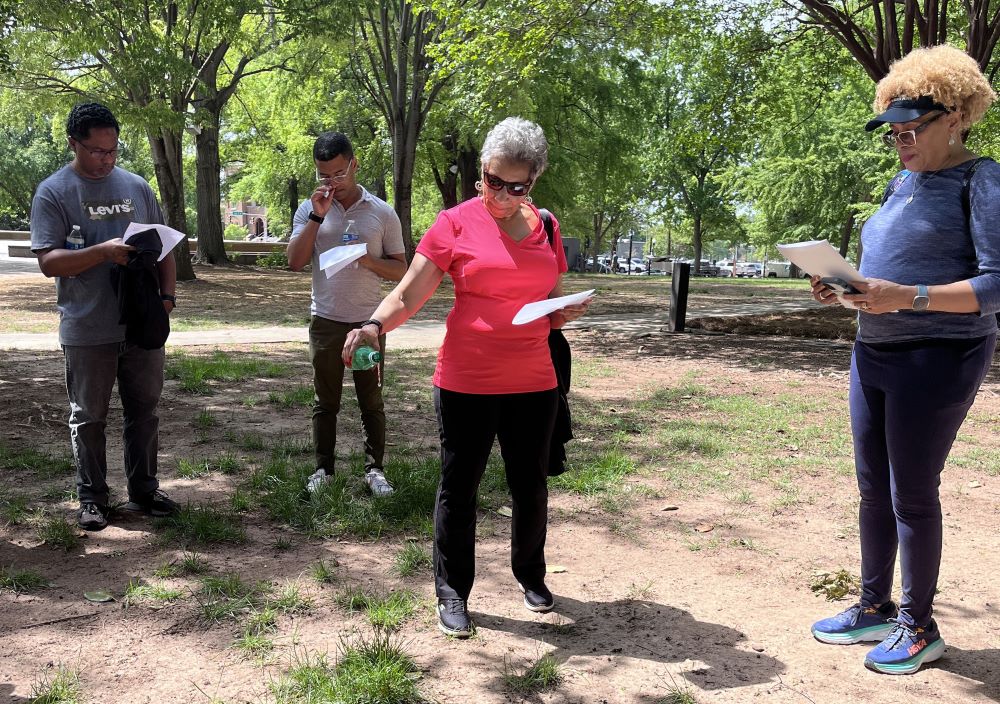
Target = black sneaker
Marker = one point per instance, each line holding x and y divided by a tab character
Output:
91	516
157	504
453	618
538	598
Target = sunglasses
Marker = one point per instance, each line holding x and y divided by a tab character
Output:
518	190
908	138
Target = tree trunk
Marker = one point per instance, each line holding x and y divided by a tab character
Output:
167	163
404	147
293	201
211	245
696	241
845	234
468	170
447	184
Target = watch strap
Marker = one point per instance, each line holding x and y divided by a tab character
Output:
168	297
922	299
376	323
314	217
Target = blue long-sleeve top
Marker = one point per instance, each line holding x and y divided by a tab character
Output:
926	240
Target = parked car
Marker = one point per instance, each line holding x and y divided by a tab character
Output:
749	270
638	266
725	270
778	270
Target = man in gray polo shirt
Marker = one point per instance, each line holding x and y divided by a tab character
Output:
340	212
78	217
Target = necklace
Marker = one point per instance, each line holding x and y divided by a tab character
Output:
917	187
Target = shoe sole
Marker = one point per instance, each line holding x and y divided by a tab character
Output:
92	527
137	508
542	608
872	634
932	652
453	633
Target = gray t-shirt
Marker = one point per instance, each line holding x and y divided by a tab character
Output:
353	293
103	208
921	236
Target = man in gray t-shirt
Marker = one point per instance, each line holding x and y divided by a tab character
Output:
78	217
340	212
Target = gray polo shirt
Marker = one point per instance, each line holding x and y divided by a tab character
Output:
103	208
353	293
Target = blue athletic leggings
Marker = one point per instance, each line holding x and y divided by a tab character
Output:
908	401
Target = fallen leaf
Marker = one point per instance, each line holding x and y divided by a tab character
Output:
669	507
99	596
974	484
555	569
505	511
704	527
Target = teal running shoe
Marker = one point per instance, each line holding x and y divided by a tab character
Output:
906	649
857	624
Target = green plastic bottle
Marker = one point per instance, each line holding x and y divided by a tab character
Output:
365	358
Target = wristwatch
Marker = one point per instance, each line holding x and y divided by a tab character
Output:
169	297
314	217
921	300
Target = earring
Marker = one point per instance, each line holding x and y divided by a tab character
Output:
479	186
527	199
951	140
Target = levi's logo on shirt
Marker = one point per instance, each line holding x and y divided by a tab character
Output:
109	209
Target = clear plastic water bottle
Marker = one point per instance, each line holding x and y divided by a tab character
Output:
365	358
351	237
74	240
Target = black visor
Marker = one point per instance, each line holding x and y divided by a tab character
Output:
905	110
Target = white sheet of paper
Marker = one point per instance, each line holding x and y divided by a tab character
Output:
534	311
169	237
336	258
819	258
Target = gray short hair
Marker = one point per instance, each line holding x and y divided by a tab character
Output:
515	139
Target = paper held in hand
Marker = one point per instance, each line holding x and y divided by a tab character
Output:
169	237
336	258
819	258
534	311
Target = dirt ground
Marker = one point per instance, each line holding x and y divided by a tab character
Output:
711	599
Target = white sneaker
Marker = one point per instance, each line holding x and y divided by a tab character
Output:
377	482
316	480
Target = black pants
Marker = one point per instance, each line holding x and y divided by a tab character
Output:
468	424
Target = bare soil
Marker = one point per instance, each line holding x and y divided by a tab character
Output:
712	598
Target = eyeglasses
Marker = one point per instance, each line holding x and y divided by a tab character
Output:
103	153
908	138
518	190
330	180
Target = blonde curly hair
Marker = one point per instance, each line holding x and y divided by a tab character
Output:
948	75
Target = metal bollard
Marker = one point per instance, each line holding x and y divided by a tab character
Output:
679	277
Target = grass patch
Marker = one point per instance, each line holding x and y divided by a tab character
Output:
205	420
252	442
58	686
343	505
292	398
372	669
14	509
541	675
21	581
412	558
189	563
201	525
28	459
386	611
227	596
196	373
593	476
57	533
136	592
322	572
225	462
290	600
254	647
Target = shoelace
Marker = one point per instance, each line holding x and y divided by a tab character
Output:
92	509
454	606
899	631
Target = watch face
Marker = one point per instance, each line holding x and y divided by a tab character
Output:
921	303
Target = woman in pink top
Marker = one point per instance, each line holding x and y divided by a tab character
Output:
494	379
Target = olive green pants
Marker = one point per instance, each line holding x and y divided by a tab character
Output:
326	345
